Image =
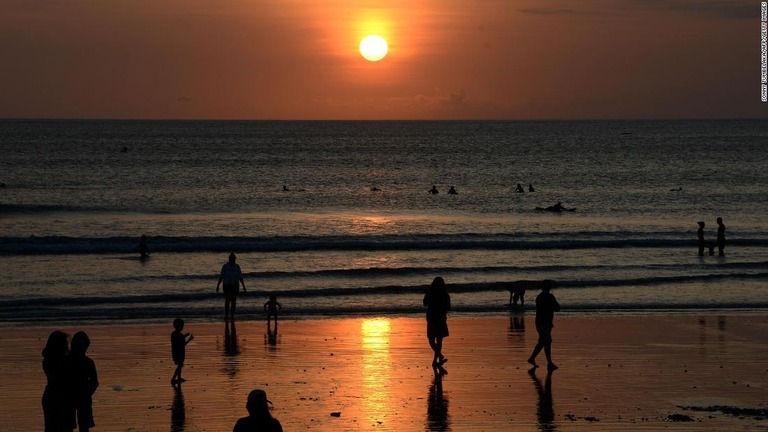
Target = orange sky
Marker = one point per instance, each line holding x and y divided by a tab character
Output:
448	59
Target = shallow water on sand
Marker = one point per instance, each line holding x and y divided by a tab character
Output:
616	373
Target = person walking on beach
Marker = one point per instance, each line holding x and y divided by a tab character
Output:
58	412
259	418
179	343
271	307
438	303
546	306
720	236
231	276
700	234
83	381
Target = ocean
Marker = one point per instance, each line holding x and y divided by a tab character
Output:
335	218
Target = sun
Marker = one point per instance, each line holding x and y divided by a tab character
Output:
373	48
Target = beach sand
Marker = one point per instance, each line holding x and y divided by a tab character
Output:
617	372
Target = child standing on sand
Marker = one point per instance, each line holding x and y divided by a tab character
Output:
179	343
271	307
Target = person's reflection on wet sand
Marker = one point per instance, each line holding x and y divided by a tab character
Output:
230	339
545	413
271	335
178	414
231	350
516	328
437	405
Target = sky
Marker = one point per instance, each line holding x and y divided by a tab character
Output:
447	59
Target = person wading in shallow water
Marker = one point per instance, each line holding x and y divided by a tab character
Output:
232	277
720	236
438	303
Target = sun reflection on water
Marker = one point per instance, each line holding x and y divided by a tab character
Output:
376	366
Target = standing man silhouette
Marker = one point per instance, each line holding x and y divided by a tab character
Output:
720	236
546	306
232	277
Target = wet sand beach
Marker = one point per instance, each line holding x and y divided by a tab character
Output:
656	371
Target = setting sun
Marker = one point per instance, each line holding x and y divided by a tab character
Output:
373	48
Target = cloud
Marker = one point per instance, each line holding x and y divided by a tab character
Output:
712	8
723	9
549	11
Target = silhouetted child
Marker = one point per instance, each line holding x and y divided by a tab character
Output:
83	381
179	343
271	307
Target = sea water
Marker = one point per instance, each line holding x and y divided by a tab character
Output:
335	218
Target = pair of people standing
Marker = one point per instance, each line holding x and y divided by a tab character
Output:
438	303
720	238
71	381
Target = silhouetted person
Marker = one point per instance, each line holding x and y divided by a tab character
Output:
58	411
558	206
517	293
434	190
452	191
530	188
143	248
700	235
711	248
82	381
231	276
259	418
178	411
179	343
546	306
437	405
519	188
271	307
438	303
545	413
720	236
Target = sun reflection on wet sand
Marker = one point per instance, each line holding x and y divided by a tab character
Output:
376	366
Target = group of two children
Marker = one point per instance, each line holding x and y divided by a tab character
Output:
179	339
